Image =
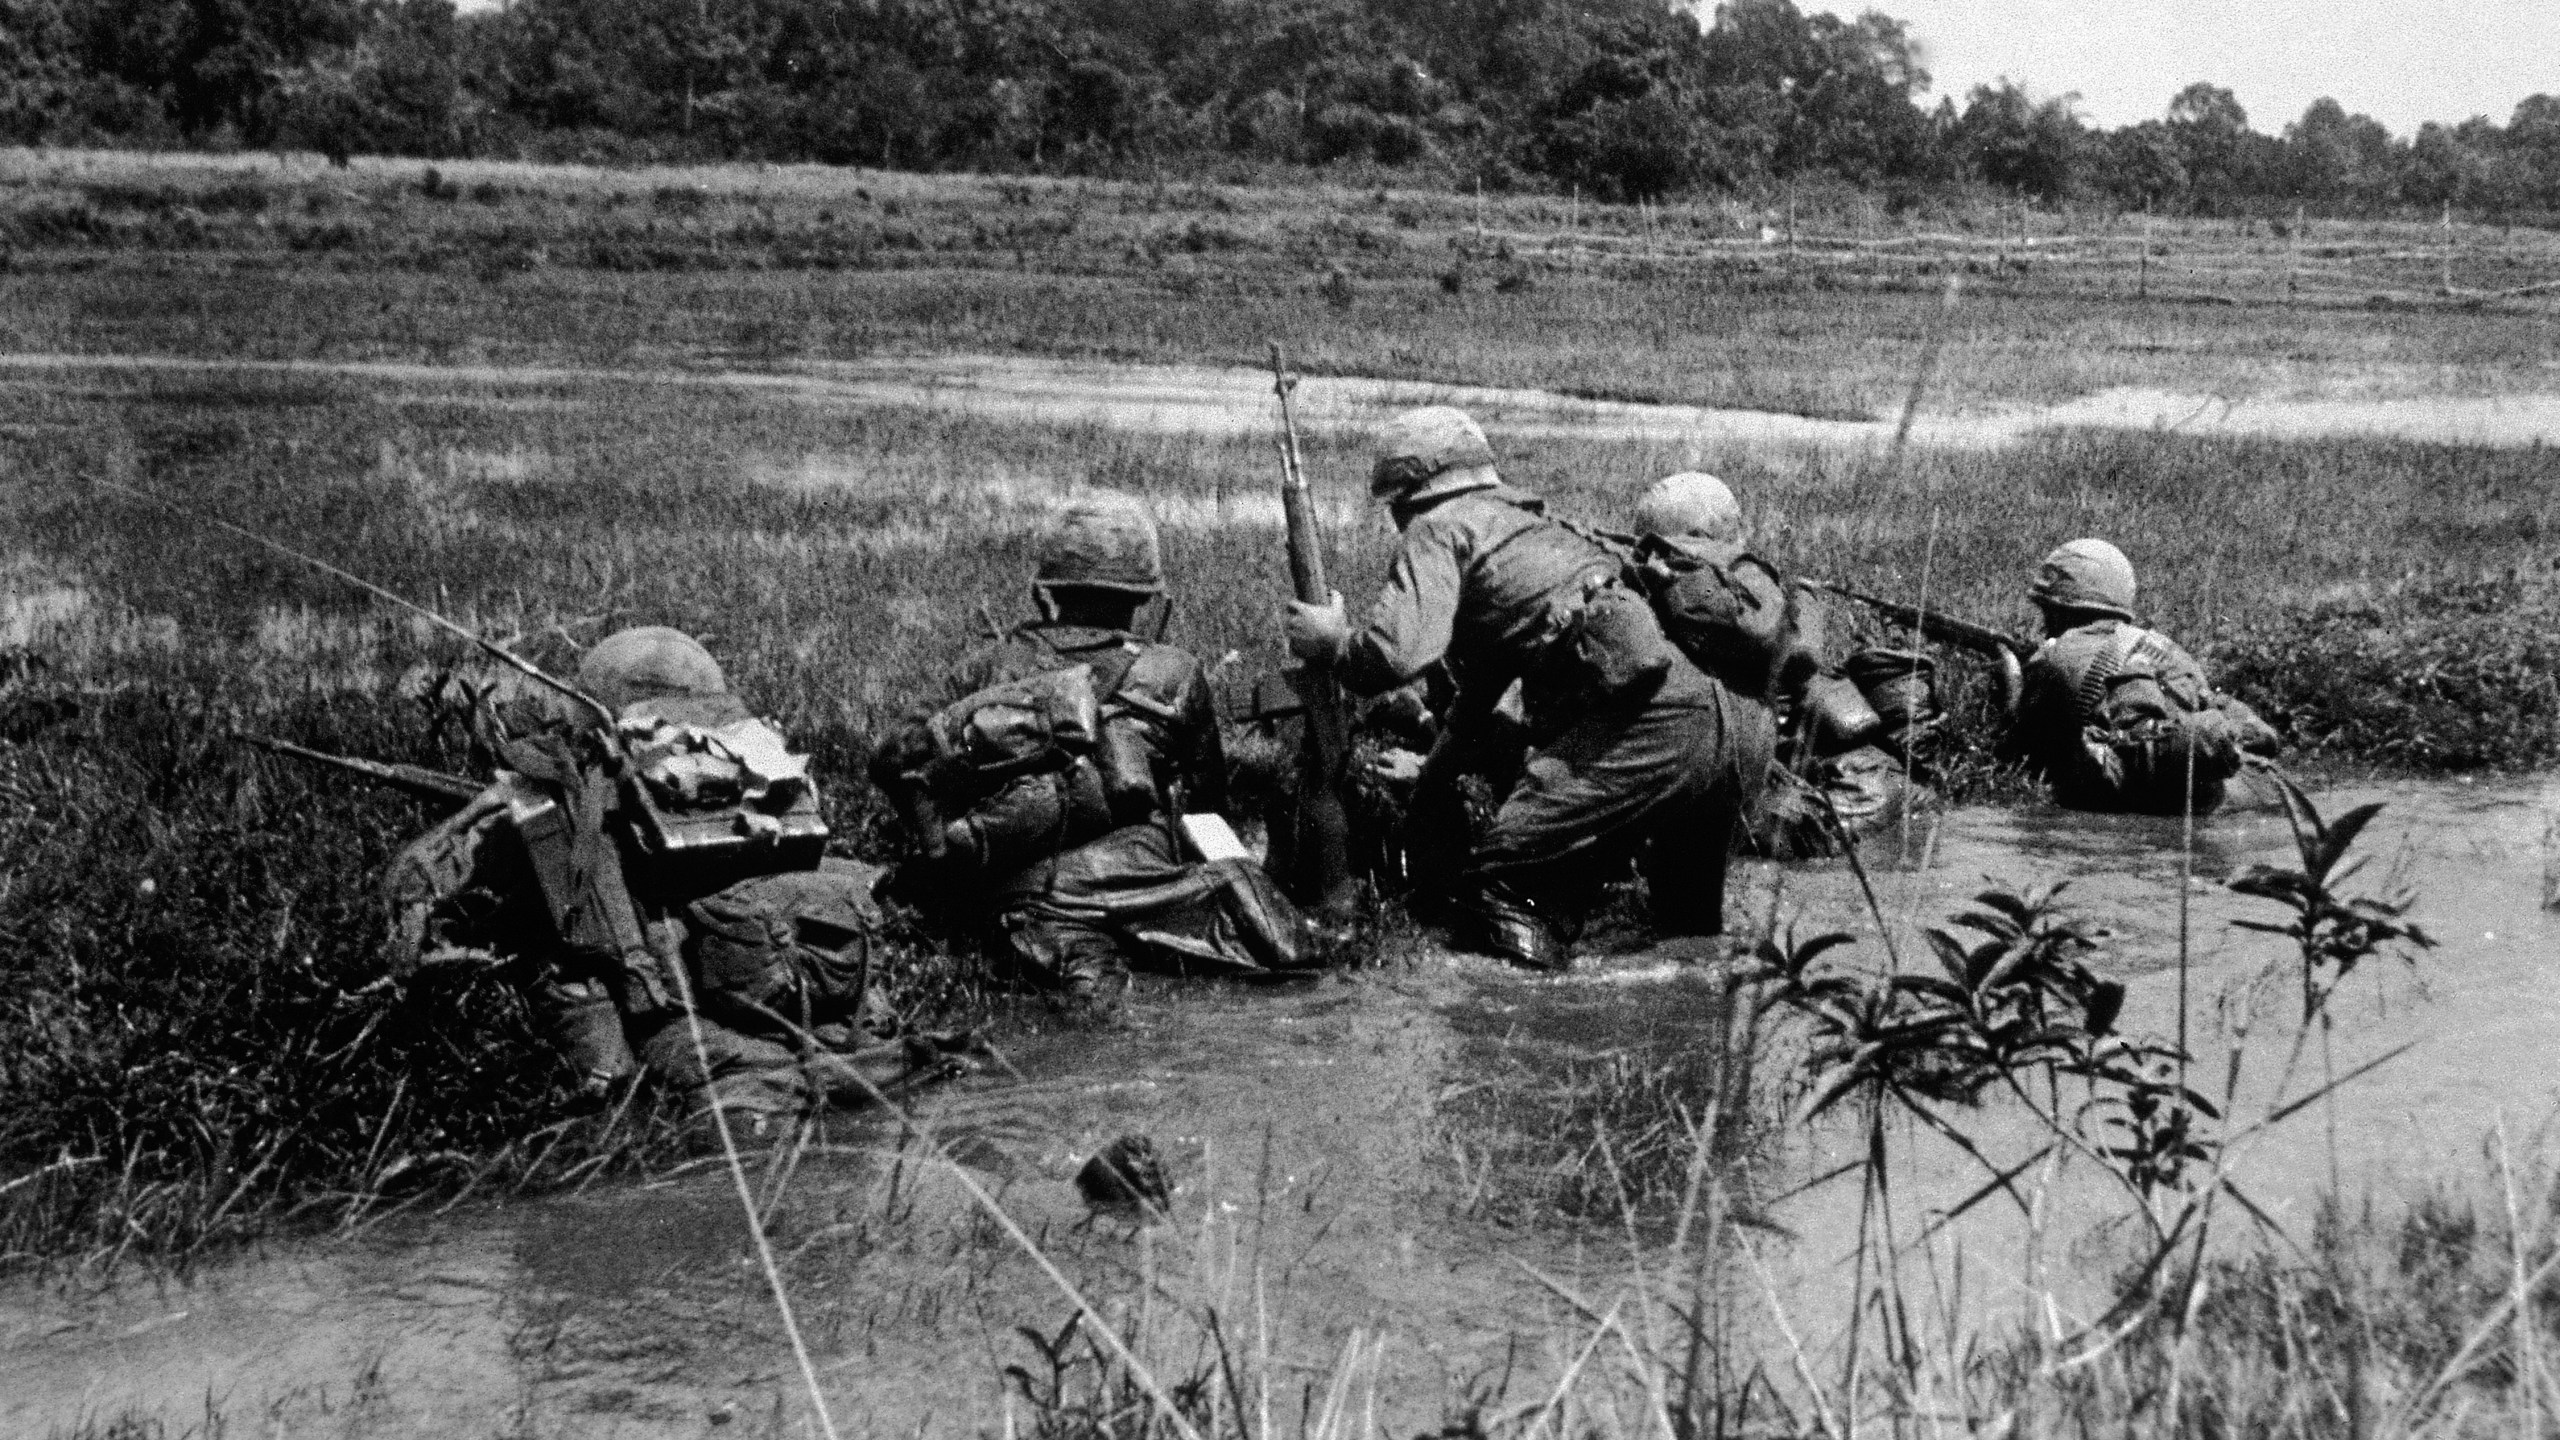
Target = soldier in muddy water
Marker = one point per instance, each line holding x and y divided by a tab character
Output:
675	919
1632	750
1068	799
2117	717
1844	717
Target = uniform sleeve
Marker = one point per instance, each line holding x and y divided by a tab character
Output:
430	881
1410	626
1204	757
2048	717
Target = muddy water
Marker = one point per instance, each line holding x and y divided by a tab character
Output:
1307	1129
2479	1017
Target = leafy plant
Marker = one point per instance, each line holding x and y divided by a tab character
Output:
2333	933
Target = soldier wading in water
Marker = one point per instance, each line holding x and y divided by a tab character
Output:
1633	750
1056	801
2117	717
673	866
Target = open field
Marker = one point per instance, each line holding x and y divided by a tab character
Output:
553	443
762	266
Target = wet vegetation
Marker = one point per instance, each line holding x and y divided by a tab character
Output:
192	931
193	1048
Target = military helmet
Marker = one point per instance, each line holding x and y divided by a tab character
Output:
650	662
1692	502
1421	445
2089	575
1102	540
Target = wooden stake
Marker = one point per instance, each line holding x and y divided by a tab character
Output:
2293	256
2448	247
2142	282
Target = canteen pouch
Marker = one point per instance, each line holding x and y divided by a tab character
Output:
1616	643
1901	685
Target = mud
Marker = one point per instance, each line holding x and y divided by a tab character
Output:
1214	400
1308	1129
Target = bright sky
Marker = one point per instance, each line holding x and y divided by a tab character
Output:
2400	61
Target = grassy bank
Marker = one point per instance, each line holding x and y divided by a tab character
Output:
186	906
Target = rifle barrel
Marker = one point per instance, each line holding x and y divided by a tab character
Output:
1297	504
1322	822
495	651
1936	625
416	780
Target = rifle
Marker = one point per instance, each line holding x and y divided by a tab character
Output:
434	786
1322	824
492	648
2005	650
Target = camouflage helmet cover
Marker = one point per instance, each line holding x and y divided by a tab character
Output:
1102	540
1419	445
1692	502
2089	575
649	662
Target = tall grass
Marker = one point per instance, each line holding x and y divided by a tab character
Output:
838	562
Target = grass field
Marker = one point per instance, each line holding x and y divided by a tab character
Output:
511	263
183	922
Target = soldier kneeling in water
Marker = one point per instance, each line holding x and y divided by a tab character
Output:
1070	799
658	897
1841	719
2117	717
1633	752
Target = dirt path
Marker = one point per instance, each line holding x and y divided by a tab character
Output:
1214	400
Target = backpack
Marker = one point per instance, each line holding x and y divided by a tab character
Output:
1726	608
983	740
796	943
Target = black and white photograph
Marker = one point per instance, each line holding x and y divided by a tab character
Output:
1279	719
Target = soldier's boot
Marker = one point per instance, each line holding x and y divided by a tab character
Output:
580	1018
1494	918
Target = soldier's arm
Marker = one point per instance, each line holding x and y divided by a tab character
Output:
1204	751
1410	626
2045	712
432	884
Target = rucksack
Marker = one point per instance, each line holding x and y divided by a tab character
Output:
1020	727
796	943
1726	608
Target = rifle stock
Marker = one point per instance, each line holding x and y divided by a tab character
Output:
1323	824
430	785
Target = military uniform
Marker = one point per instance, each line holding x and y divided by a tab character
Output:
625	945
2117	717
1784	653
1075	864
1633	750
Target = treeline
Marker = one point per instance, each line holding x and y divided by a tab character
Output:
1620	99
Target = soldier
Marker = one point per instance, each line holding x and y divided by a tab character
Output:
1064	800
2117	717
1634	751
661	883
1782	649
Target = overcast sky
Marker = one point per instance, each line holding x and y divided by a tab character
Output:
2401	61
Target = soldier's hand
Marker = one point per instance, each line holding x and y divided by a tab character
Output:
1317	632
1399	767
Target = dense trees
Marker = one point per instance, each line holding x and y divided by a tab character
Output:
1626	99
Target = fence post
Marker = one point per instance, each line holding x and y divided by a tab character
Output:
2142	282
2293	254
2448	247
